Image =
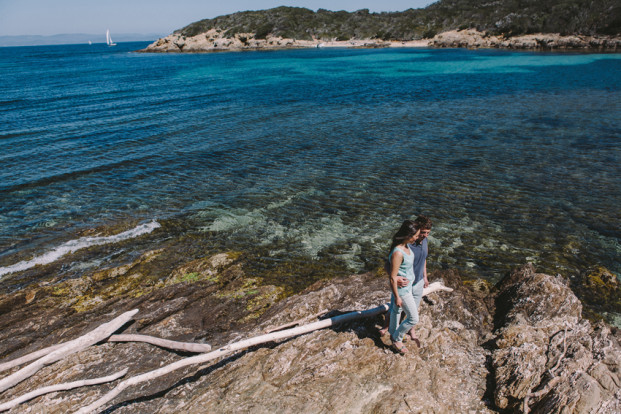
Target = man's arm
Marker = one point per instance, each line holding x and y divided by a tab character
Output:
426	282
401	281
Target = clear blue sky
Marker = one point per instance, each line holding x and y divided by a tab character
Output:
48	17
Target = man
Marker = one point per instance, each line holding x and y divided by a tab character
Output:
421	251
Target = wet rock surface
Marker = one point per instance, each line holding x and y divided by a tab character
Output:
481	351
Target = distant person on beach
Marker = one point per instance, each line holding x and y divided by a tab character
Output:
401	260
421	251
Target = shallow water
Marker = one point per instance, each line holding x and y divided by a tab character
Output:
308	160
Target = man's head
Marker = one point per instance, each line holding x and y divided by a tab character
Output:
424	224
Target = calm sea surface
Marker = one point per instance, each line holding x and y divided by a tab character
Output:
308	160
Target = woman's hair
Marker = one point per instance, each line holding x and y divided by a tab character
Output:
406	231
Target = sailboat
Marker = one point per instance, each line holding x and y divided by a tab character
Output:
109	39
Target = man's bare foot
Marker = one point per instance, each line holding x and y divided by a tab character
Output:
414	338
383	331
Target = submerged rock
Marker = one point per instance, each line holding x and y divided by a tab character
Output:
479	352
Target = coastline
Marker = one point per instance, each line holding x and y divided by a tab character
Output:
193	280
214	41
475	339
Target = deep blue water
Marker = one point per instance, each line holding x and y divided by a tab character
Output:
316	154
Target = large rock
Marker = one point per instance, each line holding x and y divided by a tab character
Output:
543	343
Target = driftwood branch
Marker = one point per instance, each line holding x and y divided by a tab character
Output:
164	343
299	321
228	349
436	287
29	357
60	387
68	348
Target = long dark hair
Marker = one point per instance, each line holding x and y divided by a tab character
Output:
406	231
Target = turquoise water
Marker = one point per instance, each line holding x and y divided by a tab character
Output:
309	158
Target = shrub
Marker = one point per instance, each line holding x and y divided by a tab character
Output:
264	30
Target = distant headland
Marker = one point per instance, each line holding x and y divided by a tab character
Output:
73	39
531	24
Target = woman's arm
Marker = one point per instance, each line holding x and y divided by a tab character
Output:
401	281
395	262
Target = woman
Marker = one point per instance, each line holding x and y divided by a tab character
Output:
401	260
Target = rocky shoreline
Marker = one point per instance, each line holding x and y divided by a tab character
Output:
214	41
484	349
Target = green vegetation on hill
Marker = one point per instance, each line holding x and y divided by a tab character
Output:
506	17
517	17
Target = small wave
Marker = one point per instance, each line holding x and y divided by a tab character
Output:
12	102
72	174
81	243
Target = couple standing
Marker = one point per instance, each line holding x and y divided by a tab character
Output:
407	268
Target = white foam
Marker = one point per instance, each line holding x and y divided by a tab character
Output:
81	243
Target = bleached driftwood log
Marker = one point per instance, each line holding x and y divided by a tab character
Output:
97	335
30	357
228	349
299	321
164	343
60	387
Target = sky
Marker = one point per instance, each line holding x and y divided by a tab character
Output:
162	17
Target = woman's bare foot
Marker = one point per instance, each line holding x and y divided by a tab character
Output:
383	331
399	347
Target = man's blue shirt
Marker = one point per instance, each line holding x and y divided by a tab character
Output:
420	255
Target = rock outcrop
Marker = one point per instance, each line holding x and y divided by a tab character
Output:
480	352
542	343
215	40
548	41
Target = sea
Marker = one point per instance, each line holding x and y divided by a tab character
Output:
307	161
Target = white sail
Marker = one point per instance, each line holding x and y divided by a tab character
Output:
109	39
